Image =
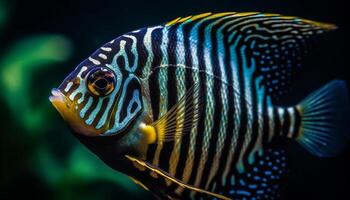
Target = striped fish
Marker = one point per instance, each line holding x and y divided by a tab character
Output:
186	109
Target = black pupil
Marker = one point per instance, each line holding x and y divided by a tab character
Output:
101	83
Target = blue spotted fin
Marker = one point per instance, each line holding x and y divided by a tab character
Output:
263	179
324	116
172	179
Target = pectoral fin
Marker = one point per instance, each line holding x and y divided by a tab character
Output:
178	120
174	180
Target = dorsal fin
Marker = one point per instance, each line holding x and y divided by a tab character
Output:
272	44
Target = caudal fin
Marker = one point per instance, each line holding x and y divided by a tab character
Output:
324	130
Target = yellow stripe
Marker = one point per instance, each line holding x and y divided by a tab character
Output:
139	183
321	25
271	15
173	22
220	15
200	16
184	19
245	14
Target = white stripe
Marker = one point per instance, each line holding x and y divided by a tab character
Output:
292	121
106	49
82	85
280	114
271	122
96	62
81	99
103	56
69	85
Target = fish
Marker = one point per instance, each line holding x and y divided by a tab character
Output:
187	109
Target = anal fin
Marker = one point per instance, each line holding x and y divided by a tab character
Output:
173	179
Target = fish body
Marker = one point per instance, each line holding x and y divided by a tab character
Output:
186	109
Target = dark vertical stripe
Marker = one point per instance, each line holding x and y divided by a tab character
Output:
286	123
142	52
84	102
92	107
297	123
154	88
278	125
100	112
266	130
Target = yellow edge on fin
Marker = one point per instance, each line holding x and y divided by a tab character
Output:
220	15
322	25
184	19
200	16
245	14
180	183
139	183
271	15
172	22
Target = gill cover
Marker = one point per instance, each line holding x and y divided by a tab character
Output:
128	107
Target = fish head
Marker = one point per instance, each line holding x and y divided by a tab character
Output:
99	98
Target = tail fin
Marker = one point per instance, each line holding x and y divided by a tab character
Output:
324	130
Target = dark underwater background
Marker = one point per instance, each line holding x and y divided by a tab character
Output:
42	41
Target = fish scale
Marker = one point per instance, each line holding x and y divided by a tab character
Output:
191	112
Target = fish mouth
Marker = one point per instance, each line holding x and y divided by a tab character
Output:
57	96
58	99
65	107
60	102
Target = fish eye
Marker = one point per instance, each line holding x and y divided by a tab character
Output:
100	82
